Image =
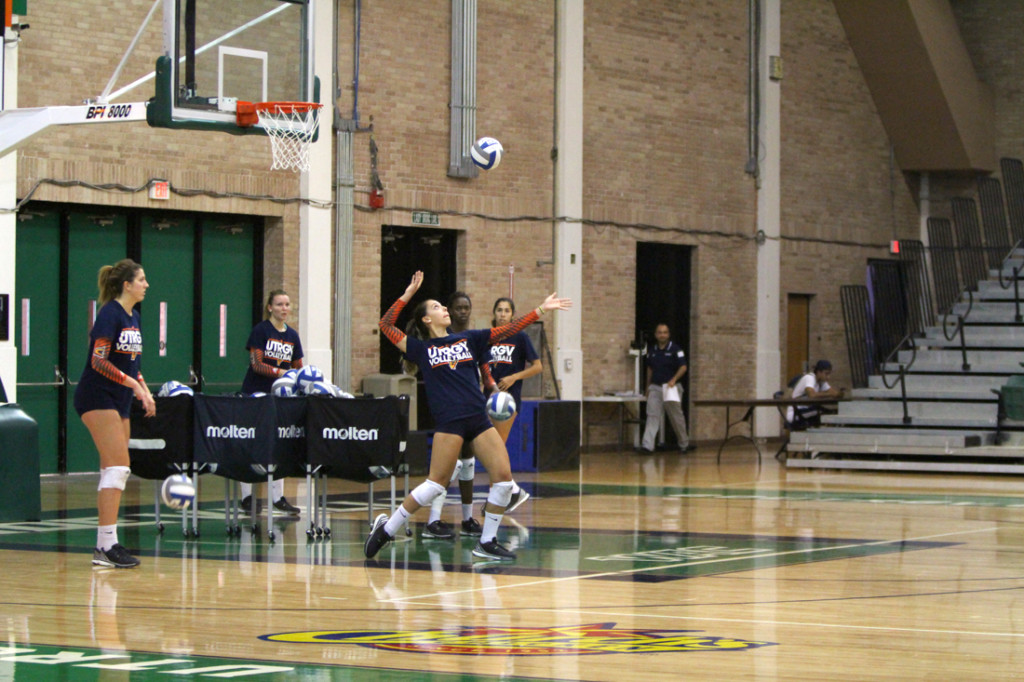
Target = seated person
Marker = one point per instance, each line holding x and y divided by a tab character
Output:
812	385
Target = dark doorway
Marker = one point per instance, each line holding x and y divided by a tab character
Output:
404	250
663	293
798	335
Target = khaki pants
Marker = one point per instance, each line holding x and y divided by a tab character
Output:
672	409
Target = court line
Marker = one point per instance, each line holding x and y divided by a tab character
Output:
662	567
784	623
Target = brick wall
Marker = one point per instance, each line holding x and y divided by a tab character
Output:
665	134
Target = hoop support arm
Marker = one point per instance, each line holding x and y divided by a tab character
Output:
18	126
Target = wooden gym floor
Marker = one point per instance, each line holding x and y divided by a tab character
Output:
662	567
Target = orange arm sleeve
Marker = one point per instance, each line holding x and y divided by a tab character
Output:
514	327
260	367
387	323
105	367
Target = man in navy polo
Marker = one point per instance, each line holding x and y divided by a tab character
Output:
666	365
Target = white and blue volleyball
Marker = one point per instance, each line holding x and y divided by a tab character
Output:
501	406
172	388
178	492
321	388
284	387
487	152
308	375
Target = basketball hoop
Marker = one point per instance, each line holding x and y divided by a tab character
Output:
291	127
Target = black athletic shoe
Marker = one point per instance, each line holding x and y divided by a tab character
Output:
517	500
282	504
115	557
438	530
472	527
378	537
493	551
246	505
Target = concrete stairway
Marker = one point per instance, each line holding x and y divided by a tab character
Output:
952	409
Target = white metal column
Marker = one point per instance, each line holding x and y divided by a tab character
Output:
8	221
769	357
569	197
315	224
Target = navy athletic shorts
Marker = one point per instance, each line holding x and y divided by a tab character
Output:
103	396
467	427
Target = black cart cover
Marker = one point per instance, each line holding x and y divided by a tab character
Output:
161	445
234	436
290	443
358	439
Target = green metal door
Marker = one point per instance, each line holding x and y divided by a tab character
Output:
93	241
37	328
227	303
168	258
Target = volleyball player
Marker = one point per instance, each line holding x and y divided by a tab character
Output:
513	360
274	348
103	397
448	363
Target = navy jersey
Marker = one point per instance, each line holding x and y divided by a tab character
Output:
511	356
449	368
664	362
280	349
123	330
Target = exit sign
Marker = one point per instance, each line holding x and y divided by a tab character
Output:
425	218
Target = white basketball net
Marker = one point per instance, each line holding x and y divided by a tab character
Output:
291	127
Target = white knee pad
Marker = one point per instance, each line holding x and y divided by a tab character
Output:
468	470
458	469
425	492
500	493
114	477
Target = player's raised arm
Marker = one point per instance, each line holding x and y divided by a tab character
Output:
387	322
552	302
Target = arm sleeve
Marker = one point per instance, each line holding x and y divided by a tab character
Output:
260	367
387	323
485	375
514	327
99	362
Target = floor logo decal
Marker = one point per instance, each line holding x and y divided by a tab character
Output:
574	640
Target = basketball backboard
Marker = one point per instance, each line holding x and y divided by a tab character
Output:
219	52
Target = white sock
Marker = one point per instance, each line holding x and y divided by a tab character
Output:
467	511
396	522
106	537
491	523
515	488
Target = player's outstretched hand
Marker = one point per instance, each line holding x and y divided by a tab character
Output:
552	302
414	286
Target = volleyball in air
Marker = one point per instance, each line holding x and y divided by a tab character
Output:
501	406
487	153
178	492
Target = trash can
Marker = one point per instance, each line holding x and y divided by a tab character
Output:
19	465
380	385
1013	397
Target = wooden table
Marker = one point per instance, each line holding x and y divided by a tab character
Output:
751	404
625	416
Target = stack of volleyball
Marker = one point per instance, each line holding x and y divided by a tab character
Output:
178	491
501	406
308	380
